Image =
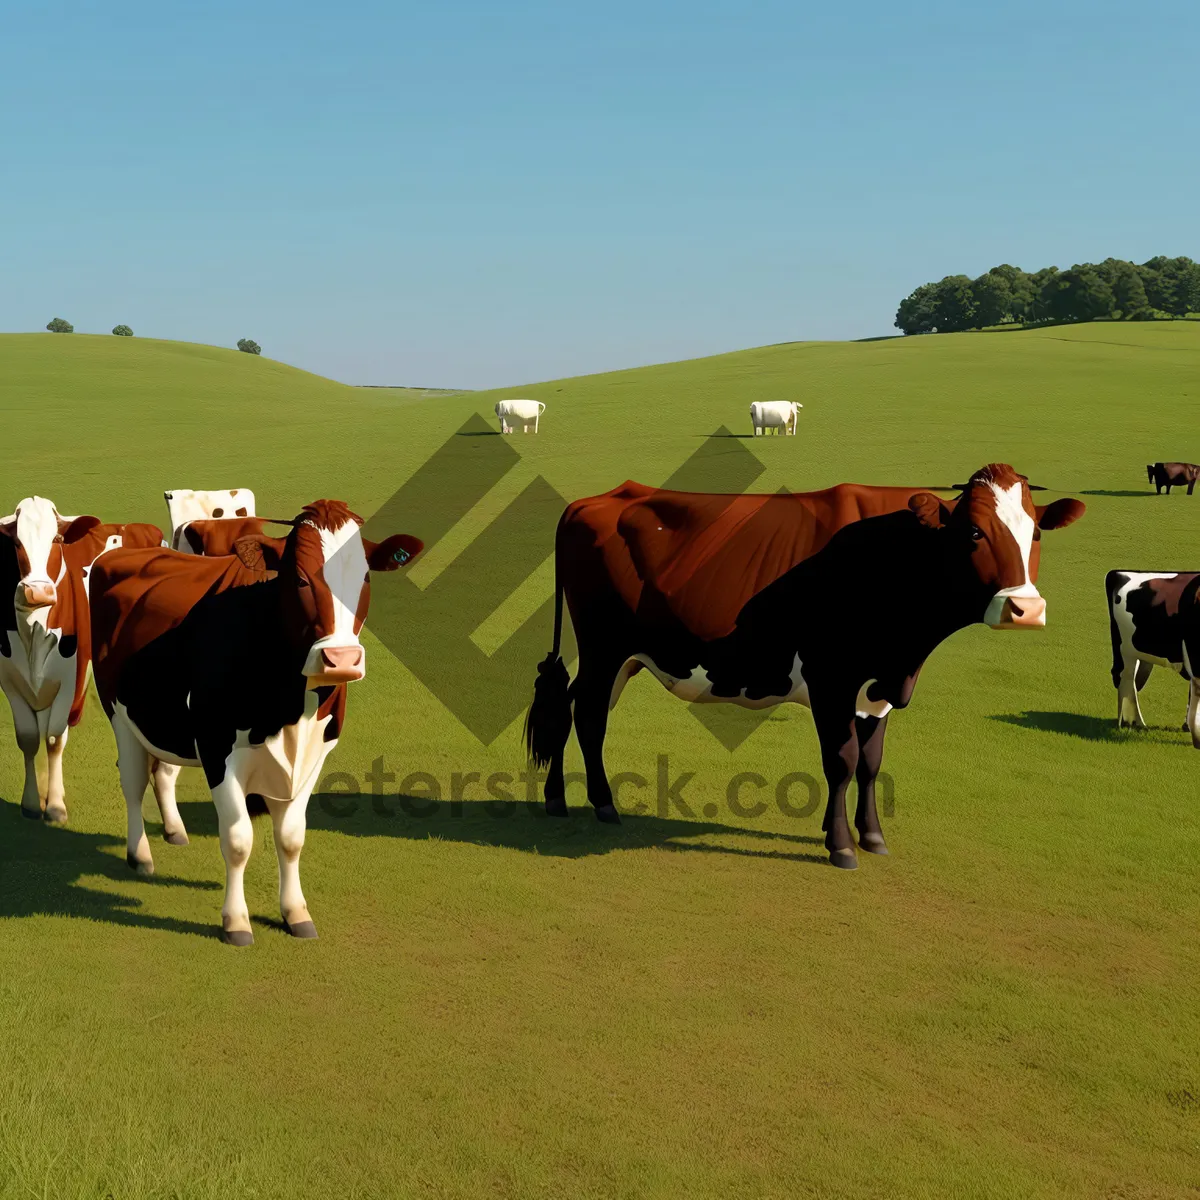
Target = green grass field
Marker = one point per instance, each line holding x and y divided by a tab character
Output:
700	1006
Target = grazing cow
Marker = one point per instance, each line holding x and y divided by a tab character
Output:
45	636
1154	619
196	667
716	597
185	505
1169	475
781	415
526	412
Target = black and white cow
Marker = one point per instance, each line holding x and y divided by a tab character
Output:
1154	618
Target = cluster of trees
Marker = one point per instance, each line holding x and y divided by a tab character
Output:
1114	289
58	325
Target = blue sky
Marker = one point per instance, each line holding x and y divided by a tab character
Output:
480	194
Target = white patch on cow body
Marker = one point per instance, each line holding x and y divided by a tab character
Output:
696	688
865	707
287	765
39	675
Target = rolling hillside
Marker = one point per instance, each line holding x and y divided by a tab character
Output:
693	1003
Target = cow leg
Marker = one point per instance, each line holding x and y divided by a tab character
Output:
25	725
839	758
592	692
288	817
1191	485
163	775
1129	711
237	840
56	803
133	764
871	731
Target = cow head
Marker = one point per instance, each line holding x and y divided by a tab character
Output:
995	525
1150	472
324	568
39	534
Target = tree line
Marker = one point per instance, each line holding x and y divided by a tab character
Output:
1114	289
59	325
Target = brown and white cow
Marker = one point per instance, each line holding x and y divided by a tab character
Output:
45	635
1172	474
764	599
238	665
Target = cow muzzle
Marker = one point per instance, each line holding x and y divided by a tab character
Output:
40	594
335	664
1020	612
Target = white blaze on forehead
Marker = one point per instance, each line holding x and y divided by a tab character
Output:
1010	508
37	527
345	576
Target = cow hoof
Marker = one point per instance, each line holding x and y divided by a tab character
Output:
142	868
872	843
176	839
846	860
237	937
34	814
609	815
301	929
55	816
556	807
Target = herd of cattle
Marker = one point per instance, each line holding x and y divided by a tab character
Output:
225	648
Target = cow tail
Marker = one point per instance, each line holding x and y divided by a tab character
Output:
548	722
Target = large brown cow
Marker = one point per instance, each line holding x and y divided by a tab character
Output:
238	665
45	636
762	599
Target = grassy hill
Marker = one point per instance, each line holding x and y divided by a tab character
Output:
692	1005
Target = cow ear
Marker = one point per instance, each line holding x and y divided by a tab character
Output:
260	552
8	527
73	529
929	510
1059	514
392	553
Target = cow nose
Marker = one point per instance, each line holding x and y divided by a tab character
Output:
342	663
38	595
1024	612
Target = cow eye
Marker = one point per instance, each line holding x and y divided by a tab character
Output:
976	533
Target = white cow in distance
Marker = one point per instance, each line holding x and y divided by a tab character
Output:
781	415
526	412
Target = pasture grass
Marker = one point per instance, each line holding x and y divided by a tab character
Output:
694	1003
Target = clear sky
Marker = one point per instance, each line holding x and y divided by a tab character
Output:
473	193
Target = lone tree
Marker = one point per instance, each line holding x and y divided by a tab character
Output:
58	325
122	331
246	346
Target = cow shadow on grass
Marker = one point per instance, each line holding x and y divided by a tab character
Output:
1092	729
521	825
41	868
